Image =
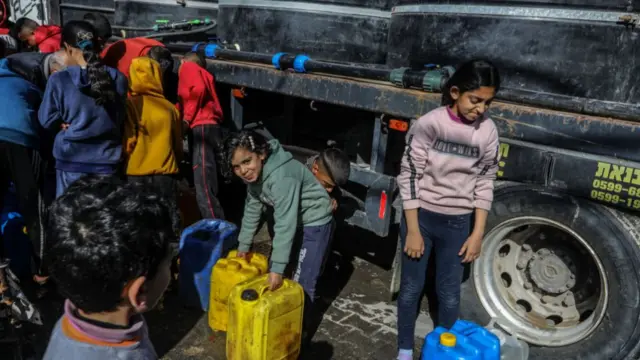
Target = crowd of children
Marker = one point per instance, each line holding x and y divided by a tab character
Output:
111	117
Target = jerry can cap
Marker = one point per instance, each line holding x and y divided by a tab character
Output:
448	339
249	295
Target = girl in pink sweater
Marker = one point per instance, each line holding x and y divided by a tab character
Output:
446	178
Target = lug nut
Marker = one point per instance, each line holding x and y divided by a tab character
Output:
526	247
568	301
543	252
528	285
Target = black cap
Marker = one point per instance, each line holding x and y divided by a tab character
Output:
249	295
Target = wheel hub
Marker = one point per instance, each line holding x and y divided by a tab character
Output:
550	273
542	281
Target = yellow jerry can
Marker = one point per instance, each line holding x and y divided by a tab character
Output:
226	274
263	324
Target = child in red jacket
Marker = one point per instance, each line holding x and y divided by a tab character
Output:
201	111
45	37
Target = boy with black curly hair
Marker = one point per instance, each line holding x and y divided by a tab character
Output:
110	258
332	169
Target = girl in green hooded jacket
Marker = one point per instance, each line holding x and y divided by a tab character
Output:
300	206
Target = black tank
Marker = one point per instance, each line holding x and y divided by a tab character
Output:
75	9
339	30
589	49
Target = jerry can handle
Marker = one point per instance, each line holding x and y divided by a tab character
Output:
265	288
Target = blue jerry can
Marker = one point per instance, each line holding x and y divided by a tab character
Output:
465	341
201	245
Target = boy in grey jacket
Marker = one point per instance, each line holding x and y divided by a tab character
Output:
110	258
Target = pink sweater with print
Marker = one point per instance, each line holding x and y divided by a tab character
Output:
449	166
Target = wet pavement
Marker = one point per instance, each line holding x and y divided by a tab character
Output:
359	319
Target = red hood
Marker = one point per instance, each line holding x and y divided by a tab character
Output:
120	54
44	32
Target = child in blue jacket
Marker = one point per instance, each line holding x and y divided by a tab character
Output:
85	105
20	161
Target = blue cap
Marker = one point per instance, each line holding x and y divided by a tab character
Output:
298	63
195	46
210	50
275	60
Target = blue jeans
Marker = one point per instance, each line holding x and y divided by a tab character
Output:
445	234
64	179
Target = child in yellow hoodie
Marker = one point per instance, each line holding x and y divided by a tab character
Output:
153	130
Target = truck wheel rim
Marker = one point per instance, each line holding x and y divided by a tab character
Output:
541	281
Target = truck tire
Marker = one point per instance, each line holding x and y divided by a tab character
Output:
560	273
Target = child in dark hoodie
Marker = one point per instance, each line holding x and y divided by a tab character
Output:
201	111
46	38
86	104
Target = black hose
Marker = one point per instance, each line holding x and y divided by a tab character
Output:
347	70
227	54
179	48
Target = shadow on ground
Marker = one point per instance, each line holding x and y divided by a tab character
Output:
170	322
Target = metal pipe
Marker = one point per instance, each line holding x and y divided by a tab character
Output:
132	28
179	33
623	111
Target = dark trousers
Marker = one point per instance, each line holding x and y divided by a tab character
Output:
24	167
166	185
206	140
445	235
310	258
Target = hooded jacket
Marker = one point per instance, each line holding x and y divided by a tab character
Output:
19	103
32	66
153	132
48	38
9	43
120	54
93	141
199	103
296	197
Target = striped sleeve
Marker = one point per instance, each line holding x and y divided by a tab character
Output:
414	161
483	192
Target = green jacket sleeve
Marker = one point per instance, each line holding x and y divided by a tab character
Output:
286	193
250	221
